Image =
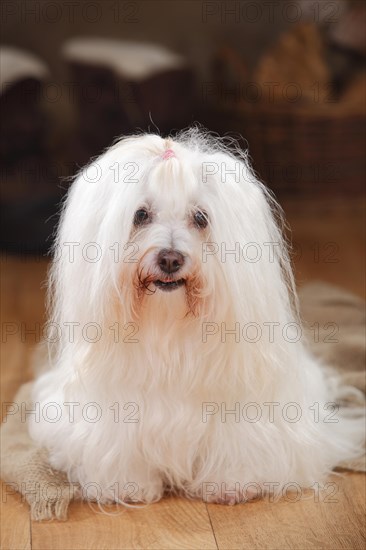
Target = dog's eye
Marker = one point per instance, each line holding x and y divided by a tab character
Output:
141	216
200	219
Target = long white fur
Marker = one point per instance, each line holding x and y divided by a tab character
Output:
171	371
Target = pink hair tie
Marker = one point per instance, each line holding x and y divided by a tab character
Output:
169	153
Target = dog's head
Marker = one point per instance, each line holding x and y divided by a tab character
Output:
162	226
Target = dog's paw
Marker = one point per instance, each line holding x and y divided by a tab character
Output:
228	500
228	494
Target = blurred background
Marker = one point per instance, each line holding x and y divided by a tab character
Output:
287	78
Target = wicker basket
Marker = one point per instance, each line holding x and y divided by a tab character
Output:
304	146
299	151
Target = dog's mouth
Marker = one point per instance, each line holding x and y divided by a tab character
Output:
167	286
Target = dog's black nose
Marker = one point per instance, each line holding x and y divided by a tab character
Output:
170	261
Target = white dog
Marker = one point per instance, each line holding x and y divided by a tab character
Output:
178	362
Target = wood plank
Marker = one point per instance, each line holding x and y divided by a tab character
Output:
22	302
14	521
335	522
22	310
171	523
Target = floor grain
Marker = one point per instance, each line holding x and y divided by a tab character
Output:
171	523
312	520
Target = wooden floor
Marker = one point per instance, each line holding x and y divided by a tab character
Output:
329	243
